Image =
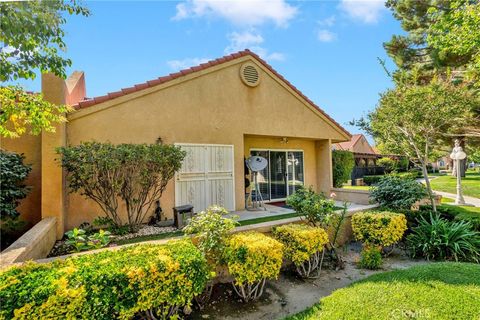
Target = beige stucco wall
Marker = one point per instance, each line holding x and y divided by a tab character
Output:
212	106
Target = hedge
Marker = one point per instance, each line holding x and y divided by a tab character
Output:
381	228
251	258
302	245
342	166
372	180
120	284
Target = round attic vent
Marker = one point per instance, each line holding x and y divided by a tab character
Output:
250	74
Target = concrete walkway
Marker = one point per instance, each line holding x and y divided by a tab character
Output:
469	200
276	210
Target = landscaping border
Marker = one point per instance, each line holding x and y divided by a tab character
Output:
353	196
36	243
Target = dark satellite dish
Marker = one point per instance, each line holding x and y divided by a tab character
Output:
256	163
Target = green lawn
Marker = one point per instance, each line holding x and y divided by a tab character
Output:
150	237
356	187
434	291
470	184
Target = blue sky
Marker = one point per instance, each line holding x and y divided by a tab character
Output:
327	49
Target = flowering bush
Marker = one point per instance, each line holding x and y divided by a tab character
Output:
311	206
252	257
302	244
379	228
142	281
211	229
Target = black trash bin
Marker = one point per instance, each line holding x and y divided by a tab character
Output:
181	214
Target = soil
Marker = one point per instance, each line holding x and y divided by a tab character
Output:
61	248
290	294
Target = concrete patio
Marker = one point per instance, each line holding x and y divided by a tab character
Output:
273	210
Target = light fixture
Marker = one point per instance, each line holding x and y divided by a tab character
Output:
284	140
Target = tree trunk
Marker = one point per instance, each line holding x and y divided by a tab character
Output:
427	183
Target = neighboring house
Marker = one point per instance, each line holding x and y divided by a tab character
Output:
442	163
358	144
220	112
365	156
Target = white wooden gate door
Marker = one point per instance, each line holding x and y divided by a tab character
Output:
206	177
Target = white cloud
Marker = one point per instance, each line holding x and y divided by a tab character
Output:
328	22
243	40
186	63
251	40
324	35
367	11
239	12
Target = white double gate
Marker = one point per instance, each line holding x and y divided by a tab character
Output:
206	177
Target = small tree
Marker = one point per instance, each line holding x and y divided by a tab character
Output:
136	174
12	188
411	119
342	166
31	39
312	207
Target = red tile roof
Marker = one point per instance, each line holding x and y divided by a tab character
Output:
348	145
203	66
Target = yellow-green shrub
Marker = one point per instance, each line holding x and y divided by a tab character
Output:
251	258
107	285
379	228
300	241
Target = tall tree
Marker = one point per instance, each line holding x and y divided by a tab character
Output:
457	33
31	39
412	119
424	22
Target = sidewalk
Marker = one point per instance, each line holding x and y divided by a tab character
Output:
468	200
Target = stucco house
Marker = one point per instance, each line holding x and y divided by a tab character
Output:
220	112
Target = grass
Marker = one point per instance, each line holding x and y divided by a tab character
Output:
470	184
151	237
444	290
269	218
447	200
357	187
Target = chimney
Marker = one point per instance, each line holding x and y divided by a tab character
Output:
58	91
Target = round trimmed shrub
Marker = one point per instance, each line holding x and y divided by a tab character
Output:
142	281
371	258
304	246
381	228
251	258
